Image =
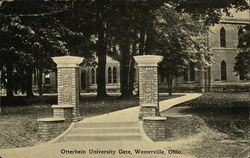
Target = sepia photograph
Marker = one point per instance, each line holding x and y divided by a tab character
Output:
124	78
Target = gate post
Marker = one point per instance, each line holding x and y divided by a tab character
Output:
68	83
148	84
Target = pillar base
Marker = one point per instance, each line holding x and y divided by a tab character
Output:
147	111
49	128
76	116
63	111
155	127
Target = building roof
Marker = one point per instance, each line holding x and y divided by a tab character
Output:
109	60
237	17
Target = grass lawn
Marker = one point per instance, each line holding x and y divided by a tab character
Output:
18	121
219	125
90	106
18	125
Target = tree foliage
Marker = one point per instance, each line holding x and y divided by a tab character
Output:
242	64
32	31
180	45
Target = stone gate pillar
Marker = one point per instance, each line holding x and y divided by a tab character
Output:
68	82
148	84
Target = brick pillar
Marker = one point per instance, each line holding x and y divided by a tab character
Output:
148	84
68	82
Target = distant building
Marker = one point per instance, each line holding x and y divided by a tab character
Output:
223	38
89	81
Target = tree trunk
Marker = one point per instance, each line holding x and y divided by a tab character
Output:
170	85
142	42
10	82
132	70
149	43
101	79
101	51
124	66
29	82
40	81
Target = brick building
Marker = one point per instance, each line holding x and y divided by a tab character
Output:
223	38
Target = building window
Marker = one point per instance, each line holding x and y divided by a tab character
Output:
240	32
222	37
189	74
242	77
192	72
185	77
109	75
223	71
47	78
162	78
93	76
83	83
114	75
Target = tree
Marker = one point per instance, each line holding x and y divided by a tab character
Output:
126	29
180	45
35	34
242	64
16	39
55	21
135	27
121	21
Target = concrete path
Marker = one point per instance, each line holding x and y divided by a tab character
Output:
131	114
111	149
166	104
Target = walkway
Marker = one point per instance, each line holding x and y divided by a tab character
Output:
131	114
110	148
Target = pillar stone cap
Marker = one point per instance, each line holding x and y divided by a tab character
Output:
148	60
155	118
62	106
149	105
51	119
67	61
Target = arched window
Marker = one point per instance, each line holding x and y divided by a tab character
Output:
185	76
223	71
109	75
47	78
192	72
240	32
222	37
83	83
93	76
162	78
242	77
114	75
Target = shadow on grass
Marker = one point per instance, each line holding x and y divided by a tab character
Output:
18	120
165	97
27	101
91	106
224	112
